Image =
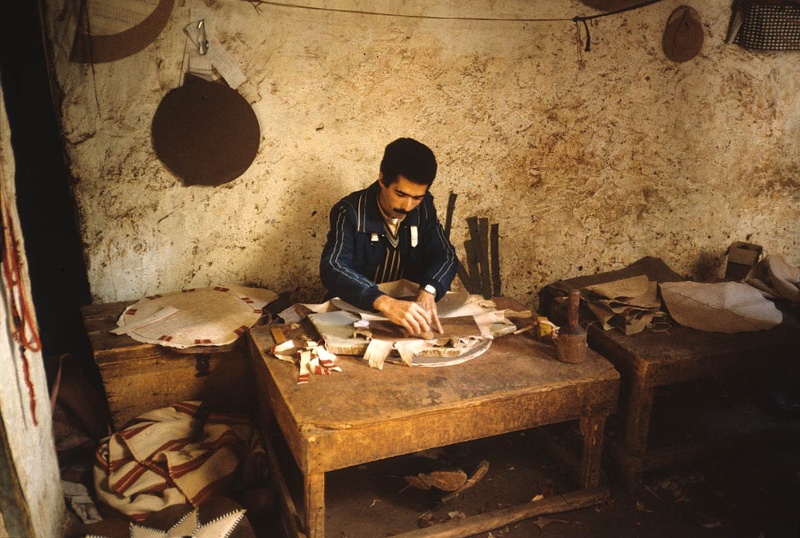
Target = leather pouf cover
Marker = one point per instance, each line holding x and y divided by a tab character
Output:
205	132
217	518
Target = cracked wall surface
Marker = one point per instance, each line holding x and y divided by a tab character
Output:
587	160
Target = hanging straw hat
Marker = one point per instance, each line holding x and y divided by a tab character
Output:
683	36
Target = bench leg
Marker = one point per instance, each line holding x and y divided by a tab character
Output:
314	490
592	429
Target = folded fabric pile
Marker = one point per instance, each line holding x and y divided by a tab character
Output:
630	299
174	455
776	278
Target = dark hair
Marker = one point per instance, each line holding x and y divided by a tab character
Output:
409	158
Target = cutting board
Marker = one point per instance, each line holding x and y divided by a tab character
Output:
336	328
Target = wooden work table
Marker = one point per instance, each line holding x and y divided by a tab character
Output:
668	361
650	360
363	414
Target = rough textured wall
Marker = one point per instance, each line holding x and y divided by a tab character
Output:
586	160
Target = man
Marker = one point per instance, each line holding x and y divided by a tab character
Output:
390	231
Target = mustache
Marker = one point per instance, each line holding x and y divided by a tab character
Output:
401	211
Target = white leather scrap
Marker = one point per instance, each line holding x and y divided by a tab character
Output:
726	307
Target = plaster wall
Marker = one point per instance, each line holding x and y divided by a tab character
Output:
587	160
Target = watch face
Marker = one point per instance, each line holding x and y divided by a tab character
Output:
430	289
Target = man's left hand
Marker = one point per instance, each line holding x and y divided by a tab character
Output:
428	302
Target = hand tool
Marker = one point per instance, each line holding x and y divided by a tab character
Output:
571	342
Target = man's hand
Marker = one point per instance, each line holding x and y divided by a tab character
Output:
412	316
428	302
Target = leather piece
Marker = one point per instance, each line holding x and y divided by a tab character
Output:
94	48
205	132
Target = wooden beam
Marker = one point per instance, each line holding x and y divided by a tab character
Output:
474	250
486	283
494	241
472	525
474	275
448	219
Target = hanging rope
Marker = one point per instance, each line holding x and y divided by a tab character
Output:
257	3
578	20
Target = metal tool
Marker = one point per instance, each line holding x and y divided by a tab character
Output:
202	40
571	342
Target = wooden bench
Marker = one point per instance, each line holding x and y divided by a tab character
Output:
362	415
662	363
139	377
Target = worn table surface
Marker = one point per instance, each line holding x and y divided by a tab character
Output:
685	354
359	395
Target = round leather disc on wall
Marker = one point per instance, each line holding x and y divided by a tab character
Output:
683	36
205	132
109	30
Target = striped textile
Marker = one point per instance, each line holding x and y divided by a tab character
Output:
168	456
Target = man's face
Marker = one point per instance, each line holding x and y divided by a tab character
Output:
400	197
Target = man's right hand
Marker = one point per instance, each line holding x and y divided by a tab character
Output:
411	316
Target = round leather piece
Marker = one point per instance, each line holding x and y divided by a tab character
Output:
683	36
116	42
205	132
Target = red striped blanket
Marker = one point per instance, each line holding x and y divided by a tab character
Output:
173	455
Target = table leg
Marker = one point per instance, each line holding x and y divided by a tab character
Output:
592	429
637	428
314	490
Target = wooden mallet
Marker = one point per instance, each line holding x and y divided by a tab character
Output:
571	342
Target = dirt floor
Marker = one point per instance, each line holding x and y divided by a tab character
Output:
748	497
741	495
738	497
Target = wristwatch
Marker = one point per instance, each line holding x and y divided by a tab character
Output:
430	289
